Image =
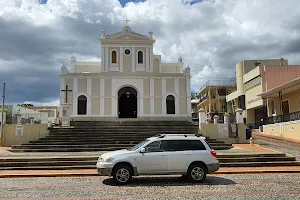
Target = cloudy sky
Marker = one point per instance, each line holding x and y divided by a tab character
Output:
38	36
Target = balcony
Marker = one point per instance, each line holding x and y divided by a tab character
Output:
221	82
282	118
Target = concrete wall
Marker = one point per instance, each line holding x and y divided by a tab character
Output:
289	130
211	131
277	75
30	132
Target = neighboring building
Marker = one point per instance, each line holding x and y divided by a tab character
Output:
212	96
28	116
195	113
281	89
283	102
129	82
248	88
52	112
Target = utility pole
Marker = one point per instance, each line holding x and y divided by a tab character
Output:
2	115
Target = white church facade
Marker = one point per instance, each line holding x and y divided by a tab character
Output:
129	82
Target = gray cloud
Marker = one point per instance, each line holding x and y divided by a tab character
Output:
216	35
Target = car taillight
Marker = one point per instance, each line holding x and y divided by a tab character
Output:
213	153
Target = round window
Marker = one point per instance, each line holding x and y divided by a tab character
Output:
127	51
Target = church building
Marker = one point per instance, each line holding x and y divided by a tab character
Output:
129	82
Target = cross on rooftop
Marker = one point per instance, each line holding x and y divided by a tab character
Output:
126	21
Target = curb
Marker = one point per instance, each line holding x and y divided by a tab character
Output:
89	174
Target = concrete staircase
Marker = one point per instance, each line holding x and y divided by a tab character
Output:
108	136
89	162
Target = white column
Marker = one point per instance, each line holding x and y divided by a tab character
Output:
89	86
163	101
188	98
147	59
62	94
176	84
151	59
106	59
75	89
89	98
113	105
102	59
121	59
133	59
151	96
102	87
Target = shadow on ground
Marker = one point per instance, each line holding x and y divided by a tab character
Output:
169	181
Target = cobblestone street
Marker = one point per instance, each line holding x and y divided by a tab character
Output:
262	186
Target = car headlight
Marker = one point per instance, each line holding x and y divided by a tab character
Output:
104	159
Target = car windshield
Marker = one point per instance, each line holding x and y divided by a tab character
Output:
138	145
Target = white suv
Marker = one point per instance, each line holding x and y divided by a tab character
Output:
189	155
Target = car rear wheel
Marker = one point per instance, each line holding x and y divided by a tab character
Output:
122	174
197	173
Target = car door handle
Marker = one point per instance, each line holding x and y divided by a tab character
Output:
163	155
188	153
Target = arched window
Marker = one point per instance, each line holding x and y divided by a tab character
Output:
170	102
81	105
113	57
140	57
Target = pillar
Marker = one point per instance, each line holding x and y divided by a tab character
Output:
133	59
239	116
121	59
202	116
216	119
226	118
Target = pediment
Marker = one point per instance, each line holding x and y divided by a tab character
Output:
127	34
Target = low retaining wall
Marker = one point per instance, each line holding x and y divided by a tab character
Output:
30	132
211	131
289	130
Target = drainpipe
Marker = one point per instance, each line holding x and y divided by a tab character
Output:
280	100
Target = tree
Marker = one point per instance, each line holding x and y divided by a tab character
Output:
8	114
25	104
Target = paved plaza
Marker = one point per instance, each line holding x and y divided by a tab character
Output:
254	186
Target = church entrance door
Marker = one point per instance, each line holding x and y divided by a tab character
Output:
82	101
127	102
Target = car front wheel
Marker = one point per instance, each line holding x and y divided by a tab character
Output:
122	174
197	173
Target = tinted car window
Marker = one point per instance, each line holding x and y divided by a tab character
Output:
156	146
175	145
184	145
195	145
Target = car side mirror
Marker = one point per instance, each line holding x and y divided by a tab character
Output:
143	150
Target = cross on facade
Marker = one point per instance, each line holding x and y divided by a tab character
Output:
66	90
126	21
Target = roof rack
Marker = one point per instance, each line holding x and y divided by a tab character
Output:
162	135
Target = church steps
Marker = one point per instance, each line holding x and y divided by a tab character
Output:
261	164
108	136
80	149
72	162
90	163
133	129
95	156
124	132
76	142
89	146
131	123
256	159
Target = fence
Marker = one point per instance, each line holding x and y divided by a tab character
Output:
282	118
28	118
